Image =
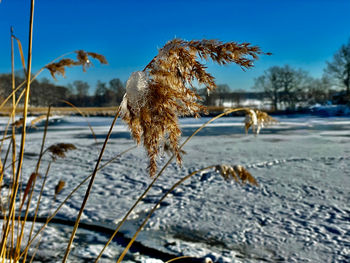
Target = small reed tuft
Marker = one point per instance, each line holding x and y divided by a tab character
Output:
60	67
30	181
18	123
82	60
164	90
257	120
237	173
59	187
60	149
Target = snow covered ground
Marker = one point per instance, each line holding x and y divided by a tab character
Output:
300	211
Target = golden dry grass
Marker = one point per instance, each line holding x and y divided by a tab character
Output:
154	100
164	90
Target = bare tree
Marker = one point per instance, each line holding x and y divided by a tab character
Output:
339	68
117	86
283	85
318	91
81	88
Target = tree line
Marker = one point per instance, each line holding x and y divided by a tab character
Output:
45	93
289	87
283	86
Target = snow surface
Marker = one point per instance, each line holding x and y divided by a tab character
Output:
300	211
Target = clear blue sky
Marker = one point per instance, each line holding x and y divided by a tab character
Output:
301	33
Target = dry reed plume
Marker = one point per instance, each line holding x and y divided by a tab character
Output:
82	60
257	120
164	90
59	187
60	149
237	173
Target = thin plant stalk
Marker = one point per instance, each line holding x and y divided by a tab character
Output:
126	249
2	175
69	196
13	105
3	208
159	174
34	181
5	136
36	213
87	193
177	258
13	118
2	144
26	102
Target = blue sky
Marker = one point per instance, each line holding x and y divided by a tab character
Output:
301	33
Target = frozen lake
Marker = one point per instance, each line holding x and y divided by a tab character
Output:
300	211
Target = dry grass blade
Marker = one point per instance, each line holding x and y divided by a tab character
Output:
21	53
60	149
179	182
121	222
37	119
11	212
164	90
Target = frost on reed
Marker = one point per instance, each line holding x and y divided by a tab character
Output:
164	90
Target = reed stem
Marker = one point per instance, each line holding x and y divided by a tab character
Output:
155	207
88	190
25	112
159	174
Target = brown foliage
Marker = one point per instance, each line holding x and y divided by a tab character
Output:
82	60
60	67
59	187
257	120
165	89
237	172
60	149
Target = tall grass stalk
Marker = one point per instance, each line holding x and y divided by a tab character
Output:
21	153
126	249
35	215
88	190
69	196
36	172
13	105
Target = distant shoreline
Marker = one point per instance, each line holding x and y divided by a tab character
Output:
326	111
